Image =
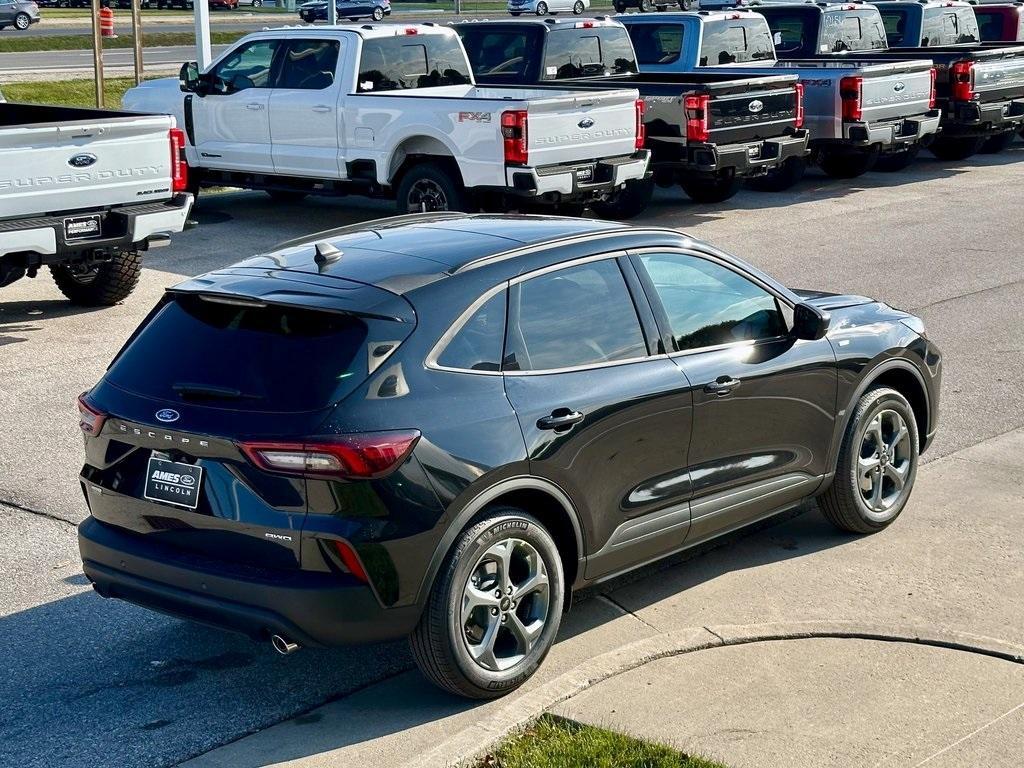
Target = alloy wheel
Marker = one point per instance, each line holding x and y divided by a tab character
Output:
22	21
884	463
426	195
505	604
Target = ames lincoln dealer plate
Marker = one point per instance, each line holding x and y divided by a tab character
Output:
173	482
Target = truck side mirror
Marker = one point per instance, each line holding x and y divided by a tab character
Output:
809	322
188	77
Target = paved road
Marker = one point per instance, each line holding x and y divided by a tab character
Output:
123	24
96	683
117	58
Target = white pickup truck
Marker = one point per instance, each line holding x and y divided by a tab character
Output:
84	191
391	110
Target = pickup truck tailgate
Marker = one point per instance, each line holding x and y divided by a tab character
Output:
740	115
999	79
83	164
895	95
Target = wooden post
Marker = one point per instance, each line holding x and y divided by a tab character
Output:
137	38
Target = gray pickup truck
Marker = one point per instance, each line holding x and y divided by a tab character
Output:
856	111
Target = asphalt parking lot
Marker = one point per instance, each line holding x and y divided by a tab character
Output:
101	683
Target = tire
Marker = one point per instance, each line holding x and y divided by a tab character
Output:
431	187
713	190
515	13
286	195
685	5
896	161
946	148
22	22
996	144
378	13
577	8
105	285
844	504
628	203
620	8
848	165
443	642
646	6
542	9
257	3
781	177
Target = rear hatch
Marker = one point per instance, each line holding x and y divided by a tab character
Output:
55	159
233	358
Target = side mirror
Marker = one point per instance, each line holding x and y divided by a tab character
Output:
809	322
188	77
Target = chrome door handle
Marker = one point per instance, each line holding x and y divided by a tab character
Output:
721	386
321	108
560	419
254	105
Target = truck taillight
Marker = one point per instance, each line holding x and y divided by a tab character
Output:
961	75
358	456
799	118
89	419
179	166
931	90
851	92
698	122
641	130
514	132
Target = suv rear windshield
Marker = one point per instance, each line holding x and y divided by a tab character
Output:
582	52
267	358
408	61
736	41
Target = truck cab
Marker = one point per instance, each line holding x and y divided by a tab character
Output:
1000	23
929	23
806	30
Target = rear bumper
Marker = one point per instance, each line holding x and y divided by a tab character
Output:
313	609
607	174
748	158
979	119
121	228
896	134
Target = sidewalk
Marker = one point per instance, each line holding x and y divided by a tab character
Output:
951	571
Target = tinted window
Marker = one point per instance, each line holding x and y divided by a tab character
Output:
990	25
393	63
793	32
656	43
257	358
248	66
477	345
505	54
896	27
309	65
852	31
708	304
738	41
588	52
948	26
577	316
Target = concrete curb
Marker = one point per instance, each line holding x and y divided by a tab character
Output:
473	742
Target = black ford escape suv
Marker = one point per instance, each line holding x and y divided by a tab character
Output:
438	425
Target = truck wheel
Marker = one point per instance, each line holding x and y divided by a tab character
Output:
948	148
578	8
647	6
896	161
22	21
996	144
781	177
542	9
628	203
620	8
494	608
877	464
712	190
848	165
431	187
685	5
102	285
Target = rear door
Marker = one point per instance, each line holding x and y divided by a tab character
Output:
601	418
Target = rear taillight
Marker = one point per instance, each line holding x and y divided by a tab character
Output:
355	457
698	128
641	130
798	120
961	75
851	92
514	132
931	90
179	166
89	419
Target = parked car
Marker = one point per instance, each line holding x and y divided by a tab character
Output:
84	192
1002	23
353	10
266	115
295	471
20	14
547	7
252	3
182	4
708	157
649	6
856	110
227	5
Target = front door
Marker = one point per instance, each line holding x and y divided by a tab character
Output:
764	403
232	121
602	418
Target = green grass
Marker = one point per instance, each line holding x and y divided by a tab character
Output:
12	44
553	742
69	93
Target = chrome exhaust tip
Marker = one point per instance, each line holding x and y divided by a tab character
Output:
283	645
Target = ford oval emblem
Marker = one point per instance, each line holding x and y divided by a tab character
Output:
899	87
586	122
167	415
755	106
83	160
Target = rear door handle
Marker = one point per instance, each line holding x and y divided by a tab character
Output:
321	108
560	419
722	386
254	105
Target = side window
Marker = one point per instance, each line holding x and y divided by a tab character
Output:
708	305
656	43
309	65
477	345
576	316
248	66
